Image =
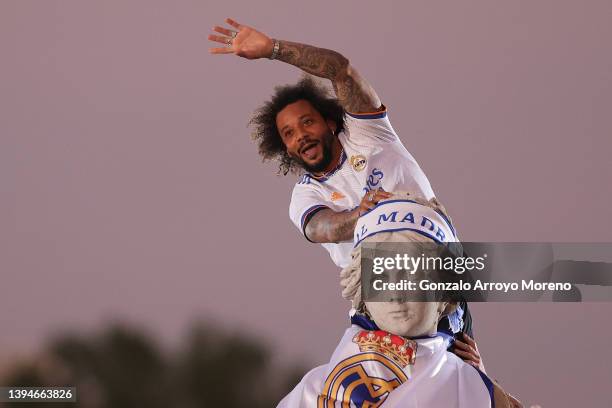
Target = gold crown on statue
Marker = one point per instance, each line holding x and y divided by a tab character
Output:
399	349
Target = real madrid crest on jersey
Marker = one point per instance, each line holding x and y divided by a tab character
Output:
358	162
366	379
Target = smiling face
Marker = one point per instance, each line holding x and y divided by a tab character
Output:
308	137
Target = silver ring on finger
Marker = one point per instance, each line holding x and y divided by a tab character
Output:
371	198
229	42
234	34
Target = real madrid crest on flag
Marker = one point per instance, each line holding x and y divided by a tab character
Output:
366	379
358	162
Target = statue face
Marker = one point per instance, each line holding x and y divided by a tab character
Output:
408	319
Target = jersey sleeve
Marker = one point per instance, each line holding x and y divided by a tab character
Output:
367	127
305	202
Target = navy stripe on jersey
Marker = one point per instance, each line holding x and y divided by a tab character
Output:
308	214
372	115
305	179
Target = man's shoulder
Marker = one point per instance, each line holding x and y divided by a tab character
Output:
303	181
305	185
306	188
368	128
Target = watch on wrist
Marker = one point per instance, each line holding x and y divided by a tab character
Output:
275	49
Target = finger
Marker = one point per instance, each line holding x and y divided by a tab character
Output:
469	340
382	195
369	196
461	345
224	50
377	198
219	39
466	356
385	193
369	205
222	30
466	347
233	23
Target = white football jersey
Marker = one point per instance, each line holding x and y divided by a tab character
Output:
373	157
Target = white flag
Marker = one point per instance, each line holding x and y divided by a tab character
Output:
372	368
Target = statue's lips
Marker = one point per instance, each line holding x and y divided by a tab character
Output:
401	313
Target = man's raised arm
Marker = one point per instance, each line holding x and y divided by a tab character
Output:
354	93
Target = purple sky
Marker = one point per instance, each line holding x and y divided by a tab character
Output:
129	187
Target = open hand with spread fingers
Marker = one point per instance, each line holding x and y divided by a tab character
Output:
241	40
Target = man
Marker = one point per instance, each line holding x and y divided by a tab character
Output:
349	159
346	145
392	355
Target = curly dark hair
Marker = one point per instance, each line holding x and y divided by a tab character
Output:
263	122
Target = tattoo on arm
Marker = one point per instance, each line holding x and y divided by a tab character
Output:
316	61
328	225
354	92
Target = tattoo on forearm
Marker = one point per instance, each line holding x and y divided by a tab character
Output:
316	61
354	93
330	226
